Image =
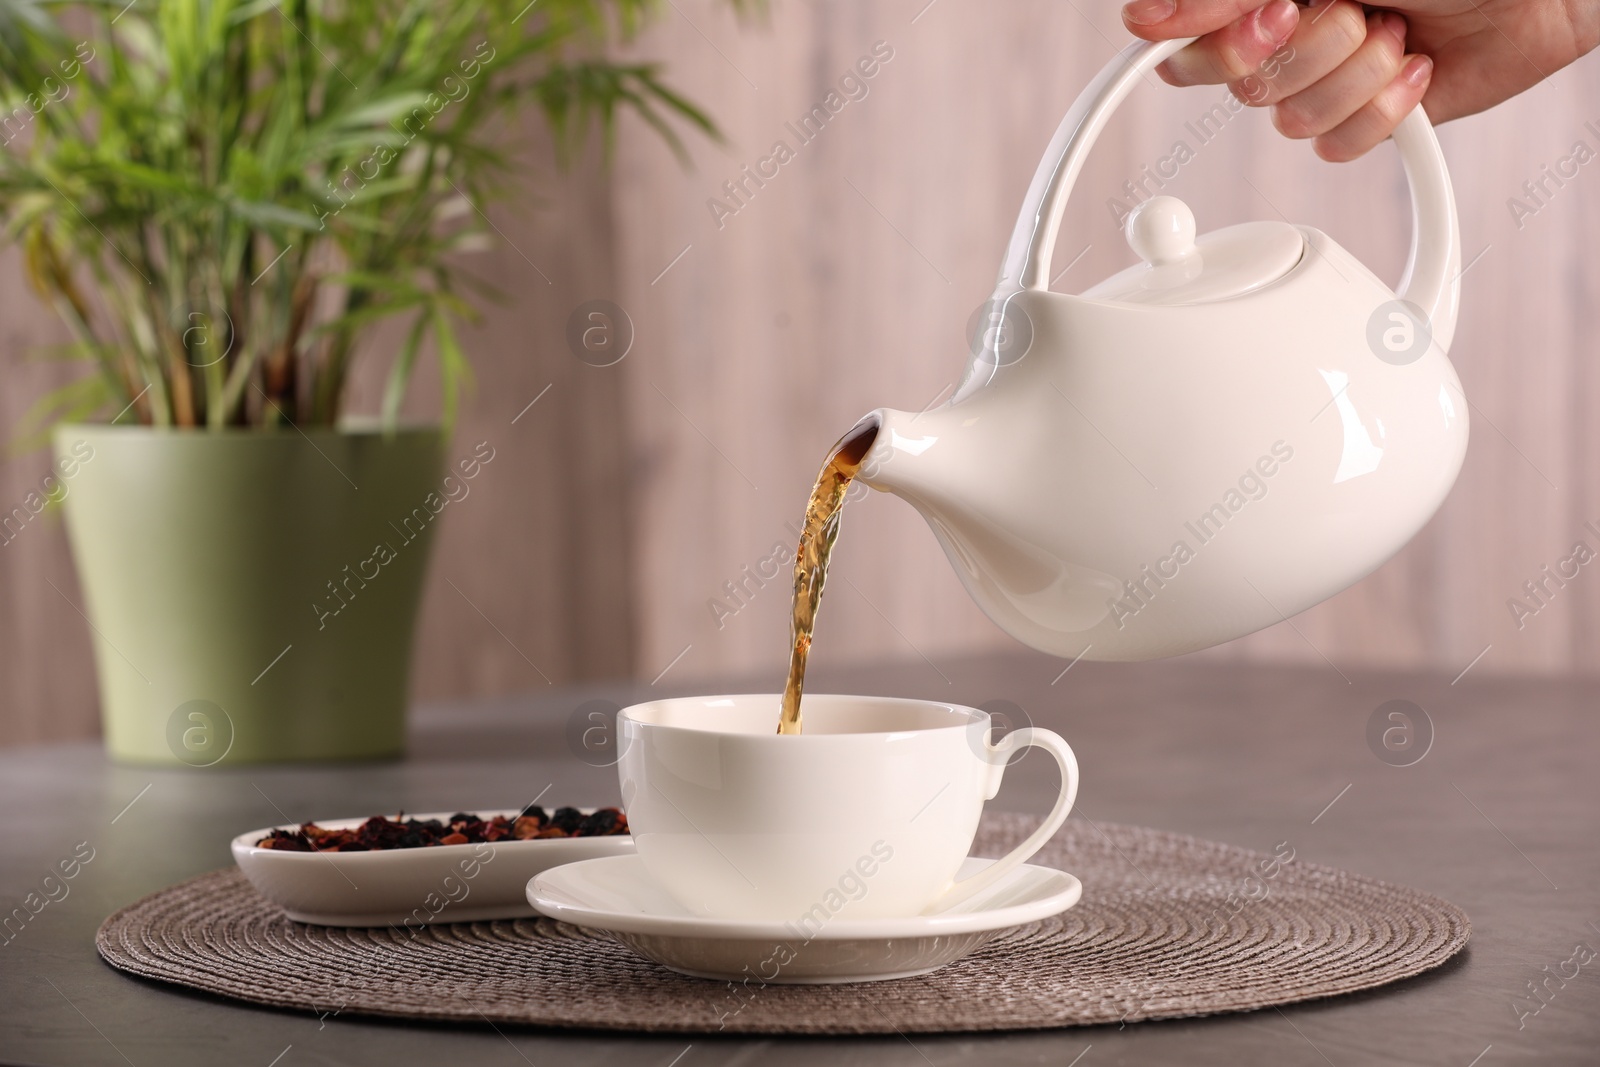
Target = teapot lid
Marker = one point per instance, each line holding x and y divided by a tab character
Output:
1179	268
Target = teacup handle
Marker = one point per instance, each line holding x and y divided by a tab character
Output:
999	755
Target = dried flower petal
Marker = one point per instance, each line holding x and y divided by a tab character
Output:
380	833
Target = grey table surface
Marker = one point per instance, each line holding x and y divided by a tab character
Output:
1502	816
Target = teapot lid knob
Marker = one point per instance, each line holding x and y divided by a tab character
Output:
1161	230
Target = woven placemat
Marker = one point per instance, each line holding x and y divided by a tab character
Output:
1168	926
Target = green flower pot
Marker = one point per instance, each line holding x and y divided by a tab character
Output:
252	594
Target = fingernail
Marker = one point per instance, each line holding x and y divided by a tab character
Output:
1148	12
1277	21
1417	70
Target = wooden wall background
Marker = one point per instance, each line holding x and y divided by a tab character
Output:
629	495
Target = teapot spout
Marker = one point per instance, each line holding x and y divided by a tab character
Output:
894	461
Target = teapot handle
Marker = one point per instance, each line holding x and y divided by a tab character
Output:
1432	278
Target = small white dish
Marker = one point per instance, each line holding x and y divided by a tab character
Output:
616	896
408	888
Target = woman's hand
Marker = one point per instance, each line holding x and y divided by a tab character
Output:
1344	77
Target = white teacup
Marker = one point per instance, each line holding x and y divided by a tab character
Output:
868	812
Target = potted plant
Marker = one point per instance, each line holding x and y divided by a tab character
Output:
220	199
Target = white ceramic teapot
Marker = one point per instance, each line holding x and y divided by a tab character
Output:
1202	445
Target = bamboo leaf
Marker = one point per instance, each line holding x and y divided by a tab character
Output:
228	157
454	372
394	390
268	214
74	402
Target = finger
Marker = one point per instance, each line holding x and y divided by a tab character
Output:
1326	35
1236	50
1376	120
1162	20
1321	107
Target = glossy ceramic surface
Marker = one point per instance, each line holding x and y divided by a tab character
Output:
1216	439
618	897
868	813
410	887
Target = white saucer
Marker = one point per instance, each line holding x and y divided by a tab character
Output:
615	896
